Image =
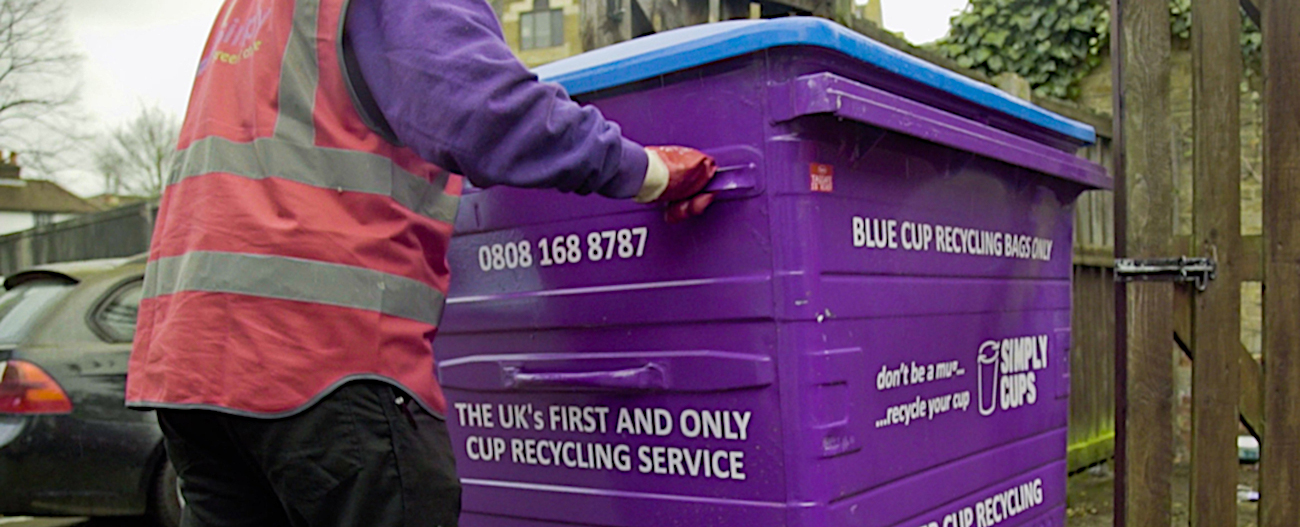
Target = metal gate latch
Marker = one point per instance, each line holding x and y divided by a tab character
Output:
1182	269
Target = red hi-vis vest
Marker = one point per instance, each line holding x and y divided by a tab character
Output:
295	249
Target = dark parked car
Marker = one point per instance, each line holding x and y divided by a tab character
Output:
68	446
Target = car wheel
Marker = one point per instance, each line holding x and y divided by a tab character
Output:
166	502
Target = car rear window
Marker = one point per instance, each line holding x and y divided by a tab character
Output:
20	307
115	317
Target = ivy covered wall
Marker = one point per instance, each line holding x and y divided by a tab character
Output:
1053	44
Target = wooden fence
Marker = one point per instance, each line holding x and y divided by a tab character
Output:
115	233
1228	385
1092	356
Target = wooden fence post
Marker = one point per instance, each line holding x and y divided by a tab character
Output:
1144	229
1216	319
1280	462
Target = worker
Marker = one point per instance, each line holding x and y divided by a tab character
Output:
298	267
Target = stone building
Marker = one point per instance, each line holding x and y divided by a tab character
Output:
541	31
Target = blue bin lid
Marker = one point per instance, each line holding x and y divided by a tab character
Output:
679	49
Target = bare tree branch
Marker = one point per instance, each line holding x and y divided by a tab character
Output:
38	81
137	157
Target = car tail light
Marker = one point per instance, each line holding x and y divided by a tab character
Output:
26	389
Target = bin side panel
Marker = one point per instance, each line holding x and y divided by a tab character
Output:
948	274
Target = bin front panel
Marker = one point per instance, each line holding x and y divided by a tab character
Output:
652	371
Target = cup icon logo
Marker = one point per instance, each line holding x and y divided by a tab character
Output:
987	364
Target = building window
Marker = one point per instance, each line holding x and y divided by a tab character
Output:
542	27
43	218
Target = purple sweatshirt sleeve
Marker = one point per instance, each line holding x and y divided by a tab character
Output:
443	77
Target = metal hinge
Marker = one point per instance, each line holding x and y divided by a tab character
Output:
1198	271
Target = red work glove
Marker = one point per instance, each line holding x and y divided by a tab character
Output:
681	173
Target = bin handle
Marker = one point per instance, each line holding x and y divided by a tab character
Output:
737	172
663	370
732	177
648	377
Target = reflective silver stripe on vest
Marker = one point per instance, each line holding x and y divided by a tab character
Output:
299	76
294	279
327	168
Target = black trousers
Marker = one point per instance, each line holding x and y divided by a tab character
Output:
362	456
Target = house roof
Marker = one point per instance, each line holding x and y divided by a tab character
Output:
112	201
34	195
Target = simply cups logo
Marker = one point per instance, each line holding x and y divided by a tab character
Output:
1007	372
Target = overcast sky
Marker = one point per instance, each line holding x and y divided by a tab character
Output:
144	52
920	21
139	52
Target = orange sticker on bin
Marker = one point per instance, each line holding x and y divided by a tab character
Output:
821	177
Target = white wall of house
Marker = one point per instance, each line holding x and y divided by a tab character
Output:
20	221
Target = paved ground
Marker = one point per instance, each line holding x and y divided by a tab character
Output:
24	521
68	522
1091	497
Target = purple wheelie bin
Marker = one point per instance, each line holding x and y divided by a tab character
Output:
869	327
